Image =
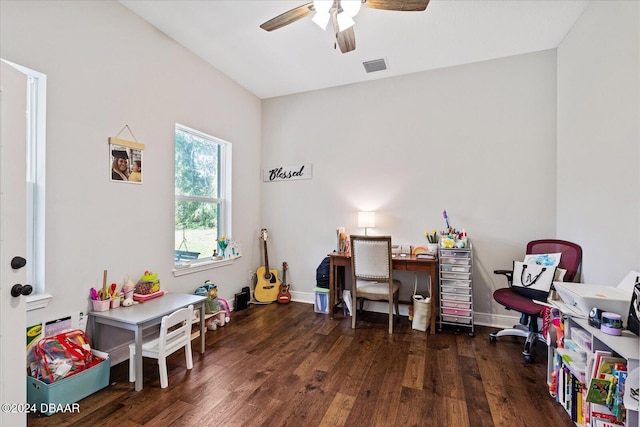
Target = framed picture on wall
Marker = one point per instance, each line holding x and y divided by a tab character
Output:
125	161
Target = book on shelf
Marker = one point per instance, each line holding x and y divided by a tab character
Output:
425	256
571	395
577	407
603	381
598	391
609	365
618	403
595	361
609	375
604	423
604	419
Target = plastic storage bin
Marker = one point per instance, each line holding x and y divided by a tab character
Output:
456	288
322	300
48	398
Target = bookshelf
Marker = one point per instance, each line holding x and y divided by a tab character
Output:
570	373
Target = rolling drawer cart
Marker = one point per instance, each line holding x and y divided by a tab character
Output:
456	290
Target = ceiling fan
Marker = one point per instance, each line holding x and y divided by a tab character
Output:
341	13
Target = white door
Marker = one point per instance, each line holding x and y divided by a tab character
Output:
13	200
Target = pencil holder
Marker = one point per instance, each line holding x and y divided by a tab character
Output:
101	305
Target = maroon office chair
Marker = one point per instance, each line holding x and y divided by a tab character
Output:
511	299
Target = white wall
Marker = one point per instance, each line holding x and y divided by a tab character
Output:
107	68
599	139
478	140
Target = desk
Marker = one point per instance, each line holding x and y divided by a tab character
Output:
339	260
144	315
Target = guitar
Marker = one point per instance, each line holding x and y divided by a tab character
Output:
268	285
284	296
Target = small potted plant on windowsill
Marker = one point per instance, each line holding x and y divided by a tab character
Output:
222	246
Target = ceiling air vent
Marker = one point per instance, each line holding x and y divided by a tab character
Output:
375	65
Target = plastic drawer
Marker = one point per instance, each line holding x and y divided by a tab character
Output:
456	311
452	275
455	297
456	319
450	282
461	261
581	338
457	268
454	253
456	290
455	304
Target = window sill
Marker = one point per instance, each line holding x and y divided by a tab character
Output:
188	267
36	302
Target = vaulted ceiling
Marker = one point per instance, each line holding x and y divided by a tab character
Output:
301	57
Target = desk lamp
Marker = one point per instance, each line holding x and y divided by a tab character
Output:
366	220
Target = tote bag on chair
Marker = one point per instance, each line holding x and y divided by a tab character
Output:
532	280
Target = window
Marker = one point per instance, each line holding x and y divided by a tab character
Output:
36	173
202	196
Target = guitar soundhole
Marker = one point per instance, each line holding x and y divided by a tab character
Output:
268	276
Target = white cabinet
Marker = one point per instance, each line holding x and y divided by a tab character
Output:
456	290
585	337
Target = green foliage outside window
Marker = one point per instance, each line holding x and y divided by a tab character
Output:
197	189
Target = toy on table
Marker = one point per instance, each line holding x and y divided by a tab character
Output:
148	287
128	290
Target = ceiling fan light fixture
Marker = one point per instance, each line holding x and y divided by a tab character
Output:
321	19
351	7
344	21
322	6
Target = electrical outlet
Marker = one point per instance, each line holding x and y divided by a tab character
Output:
82	321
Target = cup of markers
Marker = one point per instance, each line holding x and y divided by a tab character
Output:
100	300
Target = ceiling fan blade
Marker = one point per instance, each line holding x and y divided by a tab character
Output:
288	17
399	5
346	40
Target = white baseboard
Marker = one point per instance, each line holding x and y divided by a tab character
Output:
498	321
306	297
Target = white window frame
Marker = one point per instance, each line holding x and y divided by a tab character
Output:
223	199
36	184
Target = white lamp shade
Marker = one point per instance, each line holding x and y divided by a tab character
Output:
322	6
366	219
351	7
321	19
344	21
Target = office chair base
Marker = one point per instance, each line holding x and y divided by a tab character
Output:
519	331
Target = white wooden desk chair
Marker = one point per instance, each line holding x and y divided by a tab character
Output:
175	333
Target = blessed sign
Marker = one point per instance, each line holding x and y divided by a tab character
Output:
286	173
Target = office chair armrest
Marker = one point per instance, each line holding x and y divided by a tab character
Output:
507	273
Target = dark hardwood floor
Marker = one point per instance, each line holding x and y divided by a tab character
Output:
284	365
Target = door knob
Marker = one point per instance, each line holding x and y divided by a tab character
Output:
18	262
19	289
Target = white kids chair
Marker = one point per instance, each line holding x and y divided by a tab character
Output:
175	333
